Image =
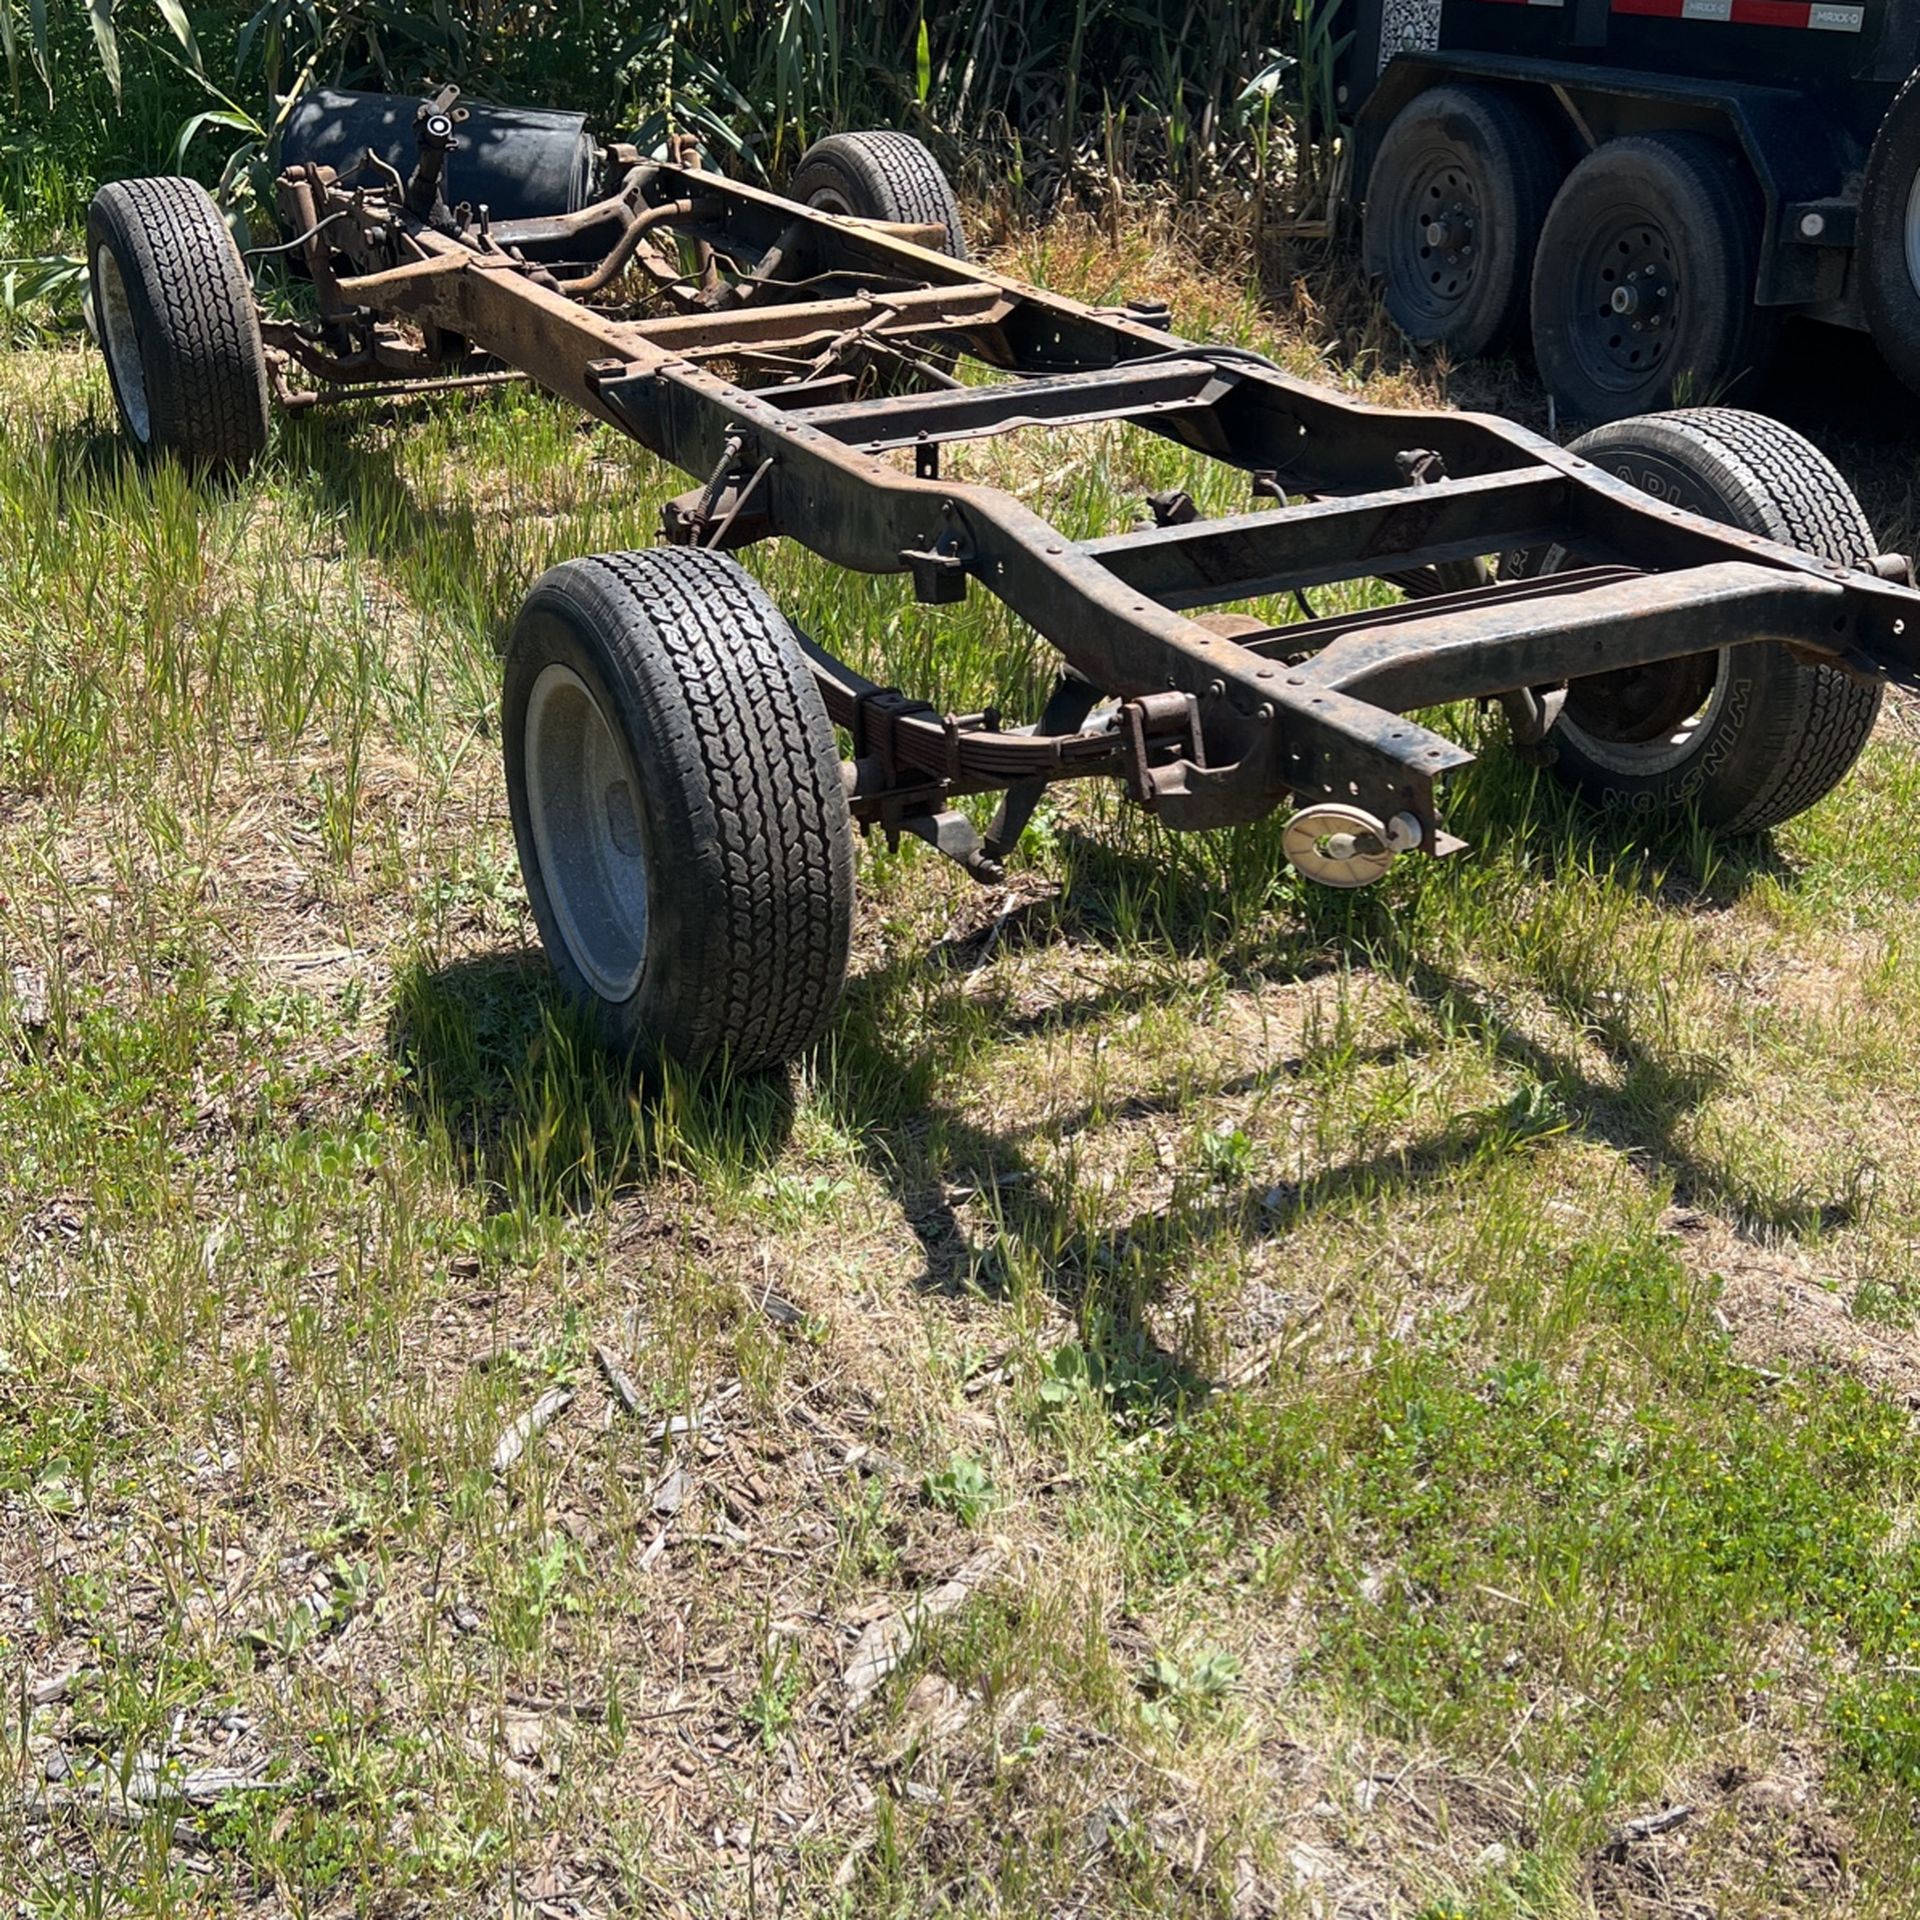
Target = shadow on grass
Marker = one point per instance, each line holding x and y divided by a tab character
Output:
538	1112
534	1109
1504	806
444	555
93	455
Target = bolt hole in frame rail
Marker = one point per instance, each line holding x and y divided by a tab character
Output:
738	334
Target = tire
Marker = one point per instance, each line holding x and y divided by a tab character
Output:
1889	251
879	176
1482	165
1748	736
173	309
677	802
1674	212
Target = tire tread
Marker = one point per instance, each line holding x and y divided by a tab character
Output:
748	739
209	401
1784	489
905	181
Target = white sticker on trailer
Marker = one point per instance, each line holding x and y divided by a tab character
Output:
1837	19
1707	10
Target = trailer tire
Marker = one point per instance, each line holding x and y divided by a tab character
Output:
1890	236
1747	736
1677	213
1484	165
879	176
678	806
173	309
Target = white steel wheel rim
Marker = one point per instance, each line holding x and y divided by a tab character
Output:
583	801
1913	232
121	344
1667	751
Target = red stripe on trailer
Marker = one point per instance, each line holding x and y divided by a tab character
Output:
1653	9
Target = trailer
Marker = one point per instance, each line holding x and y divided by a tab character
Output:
1687	613
1642	188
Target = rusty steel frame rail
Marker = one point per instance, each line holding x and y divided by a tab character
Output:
1211	728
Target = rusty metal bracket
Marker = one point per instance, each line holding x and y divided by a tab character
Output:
939	571
1155	721
875	710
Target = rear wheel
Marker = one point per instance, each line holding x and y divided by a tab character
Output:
1644	280
677	800
879	176
1748	735
173	309
1454	208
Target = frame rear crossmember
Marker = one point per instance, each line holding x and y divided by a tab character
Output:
758	382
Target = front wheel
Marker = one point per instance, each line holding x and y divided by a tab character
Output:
678	805
173	309
1749	735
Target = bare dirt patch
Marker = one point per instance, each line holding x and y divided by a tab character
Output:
1787	1309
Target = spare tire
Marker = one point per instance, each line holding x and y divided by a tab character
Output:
518	162
1889	250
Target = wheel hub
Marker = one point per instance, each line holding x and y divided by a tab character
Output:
113	318
1631	304
586	832
1642	720
1910	233
1436	253
1449	232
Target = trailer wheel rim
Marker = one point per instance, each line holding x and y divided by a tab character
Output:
583	806
1439	240
1912	233
121	343
1629	302
1647	720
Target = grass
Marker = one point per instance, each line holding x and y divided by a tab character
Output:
1369	1395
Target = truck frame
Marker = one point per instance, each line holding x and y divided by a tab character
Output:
799	359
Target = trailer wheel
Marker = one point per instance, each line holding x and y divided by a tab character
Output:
1747	735
1890	235
1455	204
677	801
879	176
1644	281
173	309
